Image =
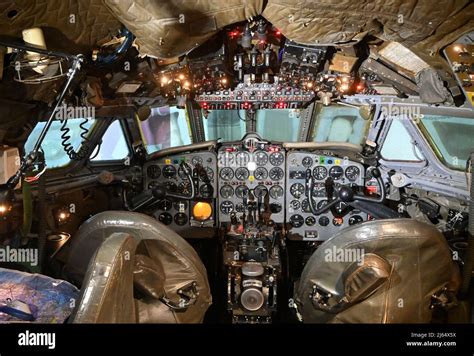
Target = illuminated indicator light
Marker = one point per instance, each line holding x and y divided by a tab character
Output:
344	87
202	211
167	161
371	189
251	178
337	161
4	209
278	32
164	80
360	87
181	76
224	80
321	160
251	166
329	161
457	48
187	84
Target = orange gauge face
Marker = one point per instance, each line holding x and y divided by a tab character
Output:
202	211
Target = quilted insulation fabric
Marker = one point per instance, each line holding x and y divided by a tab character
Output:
70	25
424	25
170	28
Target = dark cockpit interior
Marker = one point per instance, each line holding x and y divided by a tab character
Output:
236	162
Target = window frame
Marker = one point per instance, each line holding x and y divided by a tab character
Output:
98	141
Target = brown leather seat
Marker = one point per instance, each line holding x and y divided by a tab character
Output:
386	271
165	276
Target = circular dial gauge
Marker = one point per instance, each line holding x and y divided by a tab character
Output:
336	172
276	173
261	158
153	171
242	191
276	192
206	190
226	159
184	188
169	171
297	190
165	218
320	172
260	191
242	158
196	161
319	190
296	220
239	208
307	162
277	158
355	219
180	219
260	173
295	204
164	204
226	173
310	221
227	191
352	173
206	174
323	221
241	173
305	206
226	207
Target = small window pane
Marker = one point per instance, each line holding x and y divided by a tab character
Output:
279	124
338	123
114	145
452	138
398	145
54	153
166	127
227	125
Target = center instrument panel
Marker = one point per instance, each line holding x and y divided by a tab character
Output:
303	224
167	171
259	173
252	171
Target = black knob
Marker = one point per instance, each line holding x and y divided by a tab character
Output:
159	192
346	194
375	173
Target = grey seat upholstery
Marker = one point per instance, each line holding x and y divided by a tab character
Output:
385	271
162	265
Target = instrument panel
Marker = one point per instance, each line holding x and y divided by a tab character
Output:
167	171
255	175
303	224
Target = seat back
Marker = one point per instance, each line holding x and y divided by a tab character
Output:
384	271
176	269
107	291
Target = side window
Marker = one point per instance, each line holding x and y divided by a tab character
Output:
113	146
398	144
54	153
167	126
